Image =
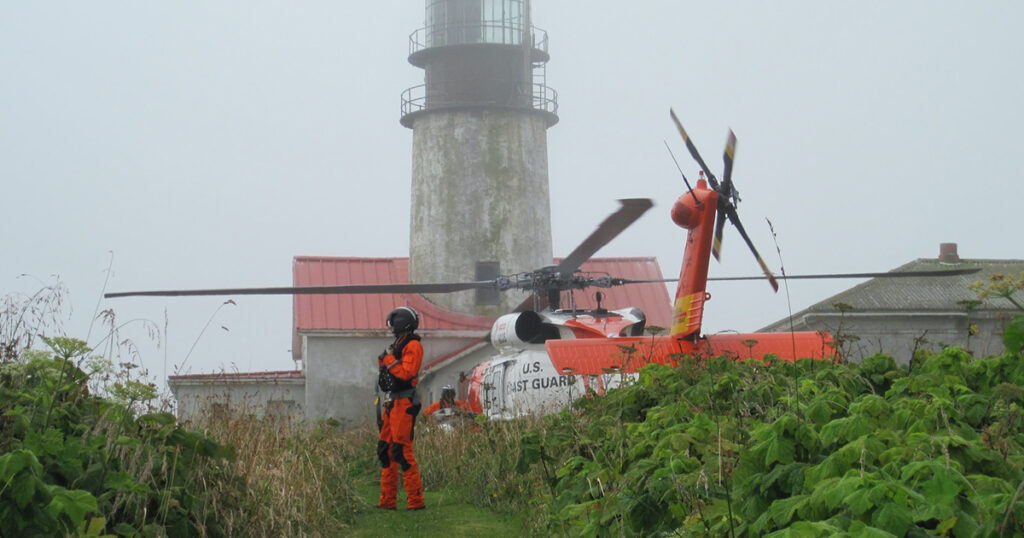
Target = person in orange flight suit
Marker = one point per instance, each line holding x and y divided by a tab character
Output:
447	406
398	371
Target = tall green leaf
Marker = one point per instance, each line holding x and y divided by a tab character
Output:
1013	337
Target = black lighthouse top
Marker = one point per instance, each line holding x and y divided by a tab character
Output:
479	54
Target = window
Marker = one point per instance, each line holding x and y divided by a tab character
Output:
502	21
456	22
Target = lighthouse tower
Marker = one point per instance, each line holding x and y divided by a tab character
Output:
480	203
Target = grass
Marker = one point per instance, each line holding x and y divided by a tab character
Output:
296	480
327	482
446	515
285	479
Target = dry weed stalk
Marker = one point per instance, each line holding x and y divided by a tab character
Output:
296	479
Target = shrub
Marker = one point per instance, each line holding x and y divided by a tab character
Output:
791	449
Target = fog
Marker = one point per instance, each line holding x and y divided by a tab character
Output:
205	144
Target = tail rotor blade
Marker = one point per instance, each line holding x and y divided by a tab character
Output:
716	244
693	150
724	194
731	212
727	157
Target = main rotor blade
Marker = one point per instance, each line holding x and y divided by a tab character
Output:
731	213
441	287
948	272
693	151
903	274
612	226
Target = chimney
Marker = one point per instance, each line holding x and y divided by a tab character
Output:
947	253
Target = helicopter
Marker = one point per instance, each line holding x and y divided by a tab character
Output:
528	376
548	355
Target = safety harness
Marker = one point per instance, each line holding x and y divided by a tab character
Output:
394	388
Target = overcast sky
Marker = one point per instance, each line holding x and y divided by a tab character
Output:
205	144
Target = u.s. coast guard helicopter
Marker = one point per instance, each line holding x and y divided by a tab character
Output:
548	355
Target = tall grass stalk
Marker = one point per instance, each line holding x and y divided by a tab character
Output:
477	463
296	480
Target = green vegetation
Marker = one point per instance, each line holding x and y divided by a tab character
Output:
447	515
74	463
720	448
1009	288
85	450
708	447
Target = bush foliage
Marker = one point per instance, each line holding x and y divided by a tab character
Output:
794	449
76	464
807	448
86	449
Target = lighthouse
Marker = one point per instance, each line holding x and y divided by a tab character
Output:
480	199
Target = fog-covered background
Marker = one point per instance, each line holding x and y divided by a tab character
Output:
204	144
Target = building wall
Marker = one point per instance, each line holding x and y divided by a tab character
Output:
899	334
479	193
341	372
198	399
433	381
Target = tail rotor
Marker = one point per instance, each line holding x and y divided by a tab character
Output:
727	197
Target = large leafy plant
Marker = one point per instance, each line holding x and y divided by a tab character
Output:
793	449
72	463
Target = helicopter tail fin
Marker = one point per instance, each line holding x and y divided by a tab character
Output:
687	313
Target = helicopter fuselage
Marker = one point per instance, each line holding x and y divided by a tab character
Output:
547	359
521	379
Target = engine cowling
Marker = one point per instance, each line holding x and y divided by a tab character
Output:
520	329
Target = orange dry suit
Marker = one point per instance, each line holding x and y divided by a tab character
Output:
397	379
455	407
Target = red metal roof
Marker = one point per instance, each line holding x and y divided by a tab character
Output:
363	312
366	311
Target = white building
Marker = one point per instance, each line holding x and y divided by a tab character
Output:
900	315
279	395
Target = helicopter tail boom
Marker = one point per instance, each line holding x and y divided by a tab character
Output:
601	356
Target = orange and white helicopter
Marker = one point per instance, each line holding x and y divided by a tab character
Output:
547	356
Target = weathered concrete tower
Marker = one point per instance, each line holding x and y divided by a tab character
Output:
480	204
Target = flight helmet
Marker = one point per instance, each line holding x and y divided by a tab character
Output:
402	319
